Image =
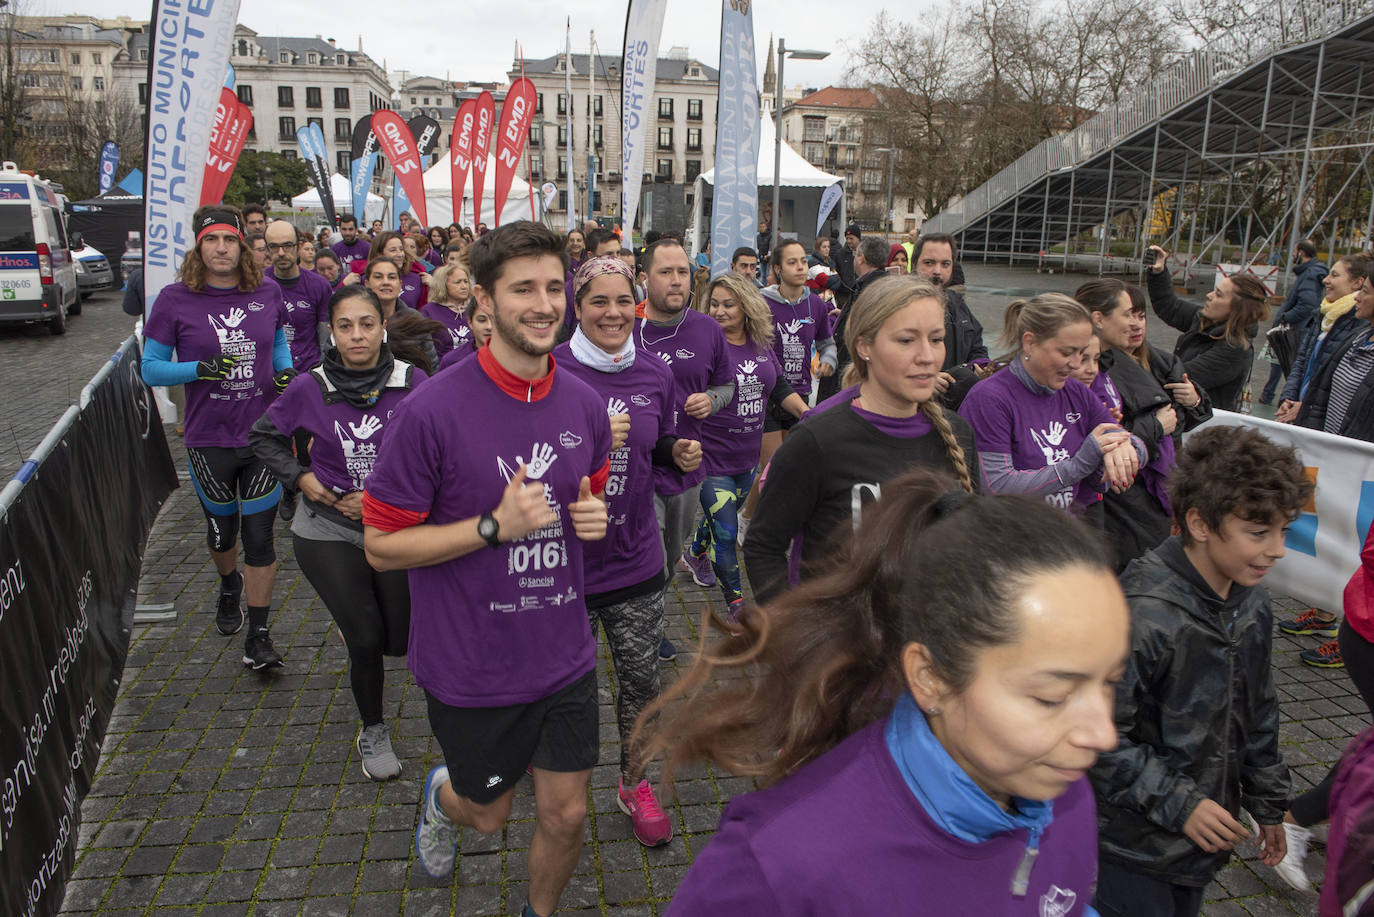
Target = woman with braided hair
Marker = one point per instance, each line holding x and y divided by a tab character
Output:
836	463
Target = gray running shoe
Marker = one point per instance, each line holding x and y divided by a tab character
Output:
436	838
379	761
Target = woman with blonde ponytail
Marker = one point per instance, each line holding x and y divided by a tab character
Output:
835	464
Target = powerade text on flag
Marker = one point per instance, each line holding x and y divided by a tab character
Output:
643	28
426	132
481	146
109	161
734	210
460	156
398	146
316	156
188	53
516	113
233	121
362	162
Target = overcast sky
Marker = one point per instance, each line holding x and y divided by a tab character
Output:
478	42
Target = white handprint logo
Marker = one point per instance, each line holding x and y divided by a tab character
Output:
748	366
235	317
667	358
1055	434
371	424
541	457
615	406
793	326
1048	442
352	449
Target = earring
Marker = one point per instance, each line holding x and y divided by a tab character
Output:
383	335
933	711
1025	357
331	341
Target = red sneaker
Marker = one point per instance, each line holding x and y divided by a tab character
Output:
651	824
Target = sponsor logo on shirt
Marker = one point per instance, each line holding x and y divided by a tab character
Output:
1057	902
684	354
642	400
569	440
258	307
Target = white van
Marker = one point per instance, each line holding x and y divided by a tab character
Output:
37	271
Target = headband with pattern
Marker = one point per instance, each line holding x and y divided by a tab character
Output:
600	266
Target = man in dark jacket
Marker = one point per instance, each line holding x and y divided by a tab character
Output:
870	263
966	357
1299	307
1196	711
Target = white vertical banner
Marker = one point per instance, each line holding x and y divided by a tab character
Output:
1324	542
829	198
735	203
643	28
187	59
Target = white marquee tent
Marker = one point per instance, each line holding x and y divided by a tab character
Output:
801	186
343	200
439	196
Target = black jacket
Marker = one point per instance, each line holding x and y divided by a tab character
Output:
1216	365
842	358
1197	718
963	343
1135	520
1358	422
1166	368
1315	351
1304	299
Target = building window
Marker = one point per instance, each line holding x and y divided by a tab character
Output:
562	135
143	54
245	93
142	93
694	109
30	81
313	97
911	205
665	136
562	167
76	58
665	170
243	48
284	57
98	83
693	169
562	103
252	133
536	134
536	165
693	138
815	153
341	97
339	59
665	106
288	154
596	136
813	129
286	97
872	180
414	101
286	128
849	156
343	130
426	100
539	103
95	58
76	84
594	107
344	160
312	57
562	200
318	122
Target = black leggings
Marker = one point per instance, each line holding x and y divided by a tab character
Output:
1313	807
372	610
236	490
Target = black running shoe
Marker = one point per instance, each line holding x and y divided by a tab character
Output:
259	653
229	614
286	506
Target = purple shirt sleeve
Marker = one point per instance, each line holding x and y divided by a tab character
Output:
409	465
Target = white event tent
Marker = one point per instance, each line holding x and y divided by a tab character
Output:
374	209
801	186
439	196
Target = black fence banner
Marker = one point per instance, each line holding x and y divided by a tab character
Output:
71	547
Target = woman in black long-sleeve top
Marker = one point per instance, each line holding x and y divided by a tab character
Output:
1217	343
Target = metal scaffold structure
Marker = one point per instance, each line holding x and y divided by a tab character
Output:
1215	160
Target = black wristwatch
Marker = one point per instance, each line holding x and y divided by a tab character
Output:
488	527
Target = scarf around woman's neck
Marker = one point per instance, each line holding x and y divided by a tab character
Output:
359	387
592	356
1334	309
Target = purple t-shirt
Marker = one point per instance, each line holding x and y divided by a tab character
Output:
1105	389
731	437
356	252
795	329
694	350
412	285
307	304
846	835
212	322
501	626
459	335
631	552
344	439
456	356
1035	429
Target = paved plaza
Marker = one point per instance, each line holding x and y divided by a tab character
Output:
225	792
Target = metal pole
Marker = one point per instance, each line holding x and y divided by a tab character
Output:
891	160
1106	215
572	138
777	147
1068	218
1306	157
1015	219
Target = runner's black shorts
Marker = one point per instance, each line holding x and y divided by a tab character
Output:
776	417
487	749
230	481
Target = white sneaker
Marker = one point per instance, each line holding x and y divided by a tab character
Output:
1290	867
743	522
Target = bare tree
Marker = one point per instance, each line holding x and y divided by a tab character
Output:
90	120
11	82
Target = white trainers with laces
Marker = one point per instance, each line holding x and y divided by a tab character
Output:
1290	867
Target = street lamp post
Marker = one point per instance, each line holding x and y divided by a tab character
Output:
891	160
784	52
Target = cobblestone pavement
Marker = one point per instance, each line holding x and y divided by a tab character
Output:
225	792
41	375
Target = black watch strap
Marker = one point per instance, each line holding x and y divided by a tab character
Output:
489	529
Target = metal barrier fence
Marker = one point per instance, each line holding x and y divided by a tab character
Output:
1281	24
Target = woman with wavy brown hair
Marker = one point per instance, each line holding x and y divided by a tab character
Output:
927	712
824	475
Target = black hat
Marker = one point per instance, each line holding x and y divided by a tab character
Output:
216	219
853	230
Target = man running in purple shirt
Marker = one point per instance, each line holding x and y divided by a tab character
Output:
352	247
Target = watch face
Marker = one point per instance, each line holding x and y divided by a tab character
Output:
486	527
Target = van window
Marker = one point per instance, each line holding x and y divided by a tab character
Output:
53	223
16	229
